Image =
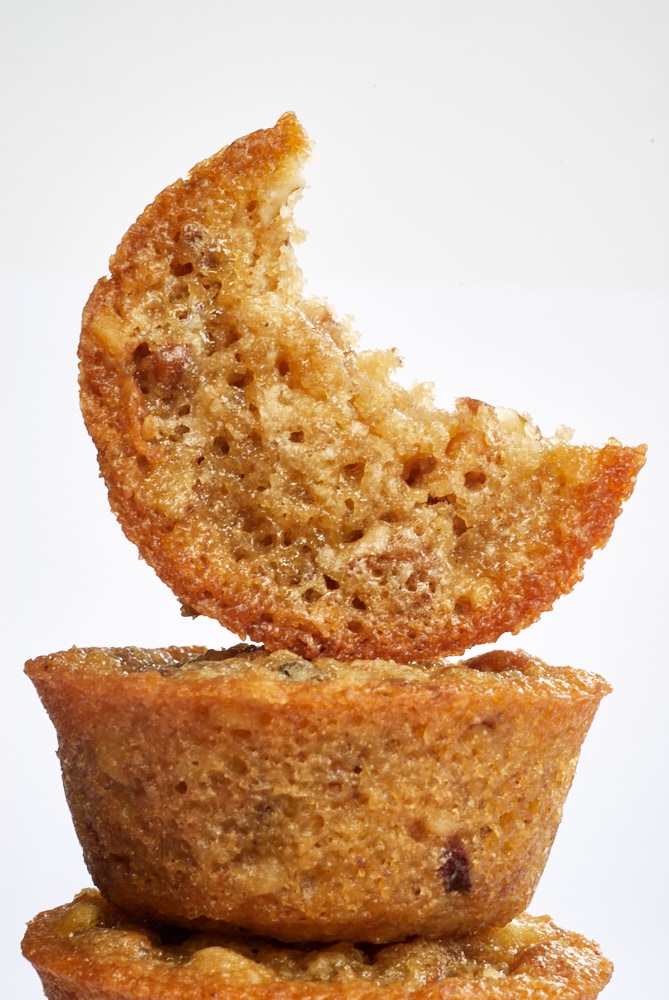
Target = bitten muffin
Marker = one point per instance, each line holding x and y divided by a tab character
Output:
89	948
315	800
284	483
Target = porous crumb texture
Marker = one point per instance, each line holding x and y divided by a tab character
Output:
88	948
283	482
311	799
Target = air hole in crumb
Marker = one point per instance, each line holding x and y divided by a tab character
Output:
417	468
297	436
226	336
241	379
281	365
354	626
354	536
357	603
181	787
330	583
349	504
180	268
143	464
251	206
141	351
355	470
221	445
463	605
475	480
184	410
310	595
459	526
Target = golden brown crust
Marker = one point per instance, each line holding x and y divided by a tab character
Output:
316	800
88	948
286	485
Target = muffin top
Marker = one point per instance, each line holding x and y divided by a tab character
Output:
282	481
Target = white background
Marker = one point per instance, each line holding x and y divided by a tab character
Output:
489	194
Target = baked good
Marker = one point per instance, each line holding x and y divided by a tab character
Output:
89	948
315	800
282	482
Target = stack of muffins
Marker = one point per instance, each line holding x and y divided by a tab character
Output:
343	809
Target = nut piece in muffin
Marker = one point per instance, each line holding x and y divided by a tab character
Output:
89	948
316	800
281	481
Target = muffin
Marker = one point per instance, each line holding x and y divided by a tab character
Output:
315	800
281	481
89	948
